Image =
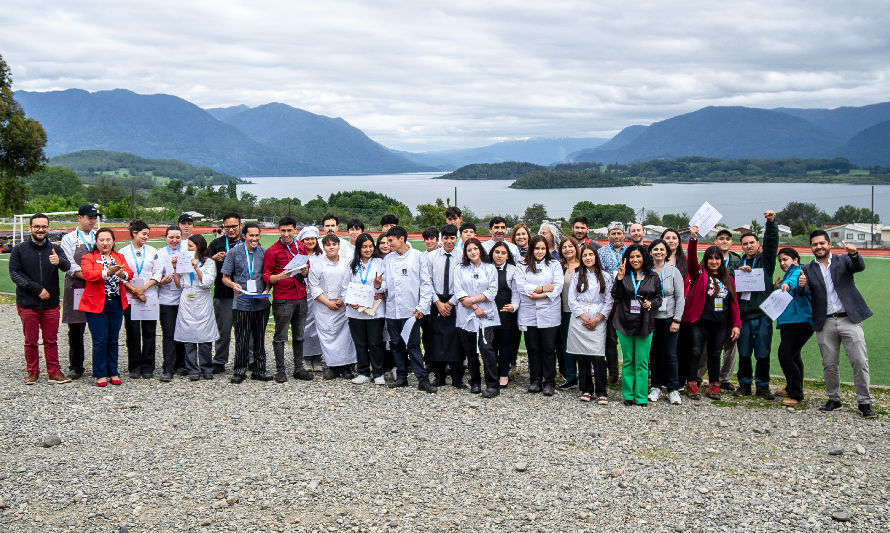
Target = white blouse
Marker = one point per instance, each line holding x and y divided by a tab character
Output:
369	272
544	312
472	281
590	302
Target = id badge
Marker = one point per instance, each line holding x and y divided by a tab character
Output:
251	285
190	295
718	304
635	307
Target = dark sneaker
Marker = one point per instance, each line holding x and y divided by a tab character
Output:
166	377
260	376
303	374
765	393
830	405
280	377
867	411
75	374
219	369
727	386
569	384
742	390
426	386
194	377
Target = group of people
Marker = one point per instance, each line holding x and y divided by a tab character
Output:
373	308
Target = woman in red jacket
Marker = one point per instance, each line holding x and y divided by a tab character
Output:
104	300
712	312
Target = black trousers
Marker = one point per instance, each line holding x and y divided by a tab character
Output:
707	337
794	336
472	346
140	344
612	348
597	385
541	345
505	348
684	353
663	355
367	335
250	331
75	346
173	351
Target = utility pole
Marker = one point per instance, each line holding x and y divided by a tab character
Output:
872	216
455	196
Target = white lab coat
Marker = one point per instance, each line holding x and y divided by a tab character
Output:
471	281
372	269
196	321
545	312
326	278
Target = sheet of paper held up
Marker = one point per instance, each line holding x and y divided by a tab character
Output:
775	305
406	329
705	218
749	281
297	263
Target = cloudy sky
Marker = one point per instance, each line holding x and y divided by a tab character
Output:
422	75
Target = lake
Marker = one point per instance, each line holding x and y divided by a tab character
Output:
738	202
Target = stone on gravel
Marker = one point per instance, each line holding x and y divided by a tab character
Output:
860	449
836	450
842	515
51	440
520	467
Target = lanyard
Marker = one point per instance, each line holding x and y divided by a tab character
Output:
249	262
363	276
753	263
726	263
84	237
227	244
661	276
191	278
286	247
139	264
633	279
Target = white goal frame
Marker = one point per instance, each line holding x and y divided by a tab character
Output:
18	224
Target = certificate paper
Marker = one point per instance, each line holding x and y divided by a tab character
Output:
359	294
749	281
184	262
775	305
705	218
406	329
148	310
78	294
297	263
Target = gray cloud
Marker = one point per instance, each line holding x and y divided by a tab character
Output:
430	76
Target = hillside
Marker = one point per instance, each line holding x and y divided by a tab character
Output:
607	150
93	163
843	122
331	144
870	146
491	171
724	132
540	151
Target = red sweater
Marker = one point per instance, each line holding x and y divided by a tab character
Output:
274	261
696	295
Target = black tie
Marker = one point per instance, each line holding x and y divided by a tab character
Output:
447	273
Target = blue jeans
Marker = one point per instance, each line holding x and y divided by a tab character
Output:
105	328
756	337
199	358
411	353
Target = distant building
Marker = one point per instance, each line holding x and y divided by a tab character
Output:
196	216
857	234
784	231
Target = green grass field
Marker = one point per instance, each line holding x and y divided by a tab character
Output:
871	284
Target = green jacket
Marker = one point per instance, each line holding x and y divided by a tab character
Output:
750	309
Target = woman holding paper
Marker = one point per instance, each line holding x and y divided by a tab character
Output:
366	322
196	322
540	314
795	326
104	300
712	313
476	317
311	345
141	259
326	300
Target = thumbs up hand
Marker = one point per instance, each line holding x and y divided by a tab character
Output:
53	258
802	280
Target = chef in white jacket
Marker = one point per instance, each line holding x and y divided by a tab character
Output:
196	322
540	314
477	315
366	323
590	302
326	299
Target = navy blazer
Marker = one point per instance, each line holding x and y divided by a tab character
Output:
842	269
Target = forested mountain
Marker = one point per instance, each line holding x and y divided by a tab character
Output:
843	122
94	163
539	151
870	146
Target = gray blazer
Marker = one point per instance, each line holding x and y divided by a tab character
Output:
842	269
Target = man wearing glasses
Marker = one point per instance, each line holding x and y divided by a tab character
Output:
223	295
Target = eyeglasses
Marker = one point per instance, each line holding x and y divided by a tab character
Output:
232	227
39	227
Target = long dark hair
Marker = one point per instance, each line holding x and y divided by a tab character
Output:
647	259
510	259
597	271
655	243
377	252
200	247
531	263
680	256
722	273
484	256
357	254
562	258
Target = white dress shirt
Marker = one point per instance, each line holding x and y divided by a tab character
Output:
436	267
408	286
832	300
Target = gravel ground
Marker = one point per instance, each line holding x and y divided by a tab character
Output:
210	456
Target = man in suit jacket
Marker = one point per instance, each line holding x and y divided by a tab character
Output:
838	312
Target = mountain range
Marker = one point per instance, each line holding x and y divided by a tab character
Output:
279	140
860	134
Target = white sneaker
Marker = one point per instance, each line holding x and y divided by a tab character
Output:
654	394
379	380
674	397
360	379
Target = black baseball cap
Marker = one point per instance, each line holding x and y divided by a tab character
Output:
88	210
723	231
185	217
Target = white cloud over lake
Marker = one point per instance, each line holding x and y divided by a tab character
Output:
423	75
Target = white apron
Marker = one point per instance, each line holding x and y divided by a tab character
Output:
326	278
196	321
